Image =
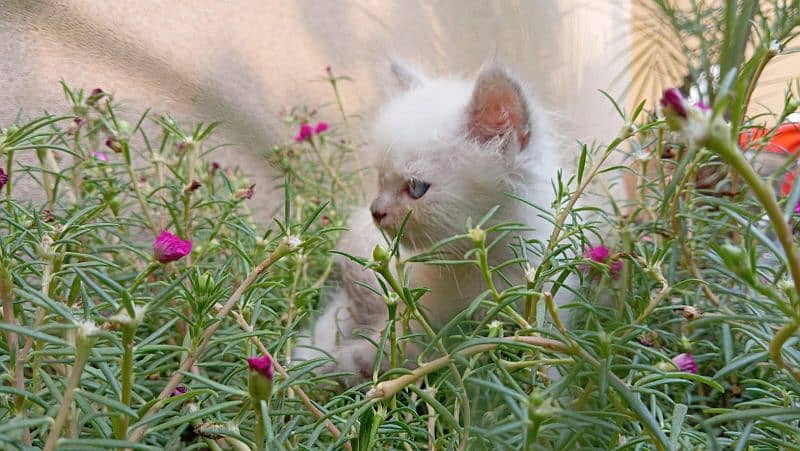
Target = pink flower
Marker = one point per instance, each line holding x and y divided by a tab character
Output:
321	127
3	178
672	101
261	365
100	156
214	167
96	91
702	106
306	131
797	208
685	362
598	254
179	390
168	247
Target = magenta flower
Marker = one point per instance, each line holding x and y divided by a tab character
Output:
180	390
3	178
306	131
321	127
672	100
261	365
168	247
100	156
96	91
601	254
702	106
797	208
685	362
259	378
214	167
598	254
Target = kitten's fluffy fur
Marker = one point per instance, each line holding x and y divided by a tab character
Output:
473	141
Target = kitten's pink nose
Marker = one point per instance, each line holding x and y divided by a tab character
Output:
377	214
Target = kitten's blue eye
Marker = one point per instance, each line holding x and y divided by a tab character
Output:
417	188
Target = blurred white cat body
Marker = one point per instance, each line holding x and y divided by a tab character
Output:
449	150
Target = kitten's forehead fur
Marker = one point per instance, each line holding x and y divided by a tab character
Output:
423	133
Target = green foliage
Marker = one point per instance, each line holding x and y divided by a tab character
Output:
98	340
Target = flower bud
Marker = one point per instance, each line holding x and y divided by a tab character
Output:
95	96
186	146
674	107
379	254
206	283
685	362
168	247
691	313
246	193
192	186
114	144
260	378
737	261
179	390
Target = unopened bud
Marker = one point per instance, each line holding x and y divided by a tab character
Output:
691	313
379	254
260	378
193	186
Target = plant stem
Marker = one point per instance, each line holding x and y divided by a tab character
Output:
558	226
259	428
128	335
483	264
282	371
719	140
81	357
386	389
135	185
410	304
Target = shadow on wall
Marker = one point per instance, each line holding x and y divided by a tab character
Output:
241	62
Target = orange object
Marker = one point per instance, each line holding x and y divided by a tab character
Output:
786	140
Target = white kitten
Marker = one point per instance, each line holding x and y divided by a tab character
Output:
450	150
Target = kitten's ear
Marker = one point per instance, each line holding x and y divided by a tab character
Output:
498	110
406	76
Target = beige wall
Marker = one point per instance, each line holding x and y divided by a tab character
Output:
241	61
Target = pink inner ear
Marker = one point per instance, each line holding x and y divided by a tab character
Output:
497	108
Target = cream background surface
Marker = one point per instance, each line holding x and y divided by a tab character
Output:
242	61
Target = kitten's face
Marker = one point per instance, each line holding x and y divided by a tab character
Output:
447	154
